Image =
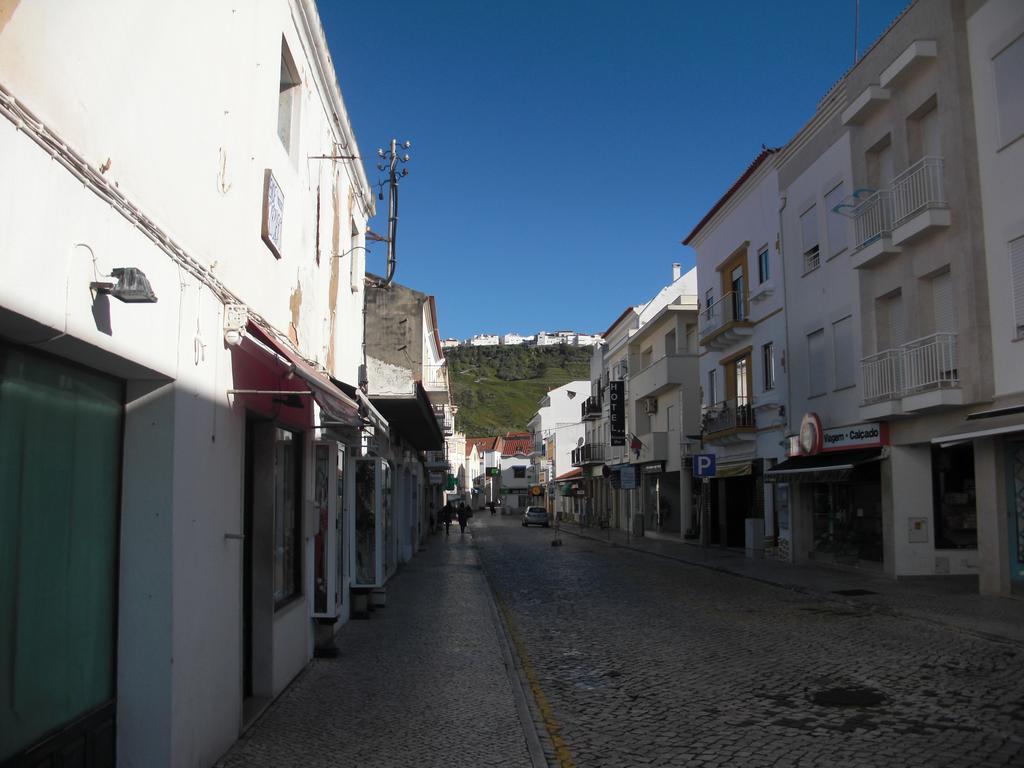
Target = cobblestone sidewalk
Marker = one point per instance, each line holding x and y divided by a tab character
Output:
422	683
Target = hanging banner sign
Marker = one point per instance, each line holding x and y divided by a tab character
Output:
617	411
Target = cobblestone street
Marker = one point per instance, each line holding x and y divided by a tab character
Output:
646	661
624	658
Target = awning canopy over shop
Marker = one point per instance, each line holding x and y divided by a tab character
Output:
338	408
736	469
972	429
822	467
570	475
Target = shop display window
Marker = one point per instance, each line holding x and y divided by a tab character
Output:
287	518
953	497
374	540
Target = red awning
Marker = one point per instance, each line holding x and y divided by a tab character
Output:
570	475
338	408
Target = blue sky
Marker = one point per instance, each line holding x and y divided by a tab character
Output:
562	149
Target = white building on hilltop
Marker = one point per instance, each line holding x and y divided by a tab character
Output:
483	340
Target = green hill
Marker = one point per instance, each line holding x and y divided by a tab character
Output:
497	388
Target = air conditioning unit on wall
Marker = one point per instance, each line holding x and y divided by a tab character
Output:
650	404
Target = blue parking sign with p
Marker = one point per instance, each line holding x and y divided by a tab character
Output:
704	465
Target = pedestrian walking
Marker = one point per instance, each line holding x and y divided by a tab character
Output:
446	516
463	515
490	506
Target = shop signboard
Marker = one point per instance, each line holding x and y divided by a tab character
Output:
494	471
813	438
627	478
617	411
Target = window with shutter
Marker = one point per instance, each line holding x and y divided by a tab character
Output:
816	363
1017	278
842	353
942	303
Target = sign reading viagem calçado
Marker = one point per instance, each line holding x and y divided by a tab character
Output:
846	438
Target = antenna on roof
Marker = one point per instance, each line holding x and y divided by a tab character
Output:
856	30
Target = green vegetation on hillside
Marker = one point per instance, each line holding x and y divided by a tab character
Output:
497	389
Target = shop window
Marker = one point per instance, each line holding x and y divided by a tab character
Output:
956	517
519	473
60	460
287	515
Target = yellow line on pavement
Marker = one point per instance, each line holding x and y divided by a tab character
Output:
562	753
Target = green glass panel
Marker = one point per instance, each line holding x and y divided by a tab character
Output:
60	434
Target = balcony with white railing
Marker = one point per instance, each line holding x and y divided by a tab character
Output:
931	375
435	378
590	453
919	200
730	421
920	375
725	322
872	226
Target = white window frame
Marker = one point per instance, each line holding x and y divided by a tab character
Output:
810	239
768	366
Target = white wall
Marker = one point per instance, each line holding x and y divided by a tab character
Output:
1001	168
186	140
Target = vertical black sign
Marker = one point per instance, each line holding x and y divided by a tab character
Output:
617	411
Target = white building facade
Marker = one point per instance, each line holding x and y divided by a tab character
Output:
742	333
192	448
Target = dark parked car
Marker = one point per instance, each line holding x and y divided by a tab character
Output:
536	516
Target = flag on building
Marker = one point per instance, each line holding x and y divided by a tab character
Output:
635	445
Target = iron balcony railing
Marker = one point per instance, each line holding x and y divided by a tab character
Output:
737	413
729	308
591	453
918	188
924	364
435	377
872	218
436	459
445	418
591	408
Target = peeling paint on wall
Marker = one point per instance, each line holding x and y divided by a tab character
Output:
7	9
332	303
295	304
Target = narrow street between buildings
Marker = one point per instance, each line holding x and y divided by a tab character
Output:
631	657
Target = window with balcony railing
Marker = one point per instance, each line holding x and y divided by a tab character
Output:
737	413
924	364
918	188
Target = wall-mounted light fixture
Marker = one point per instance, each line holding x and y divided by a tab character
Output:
132	286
